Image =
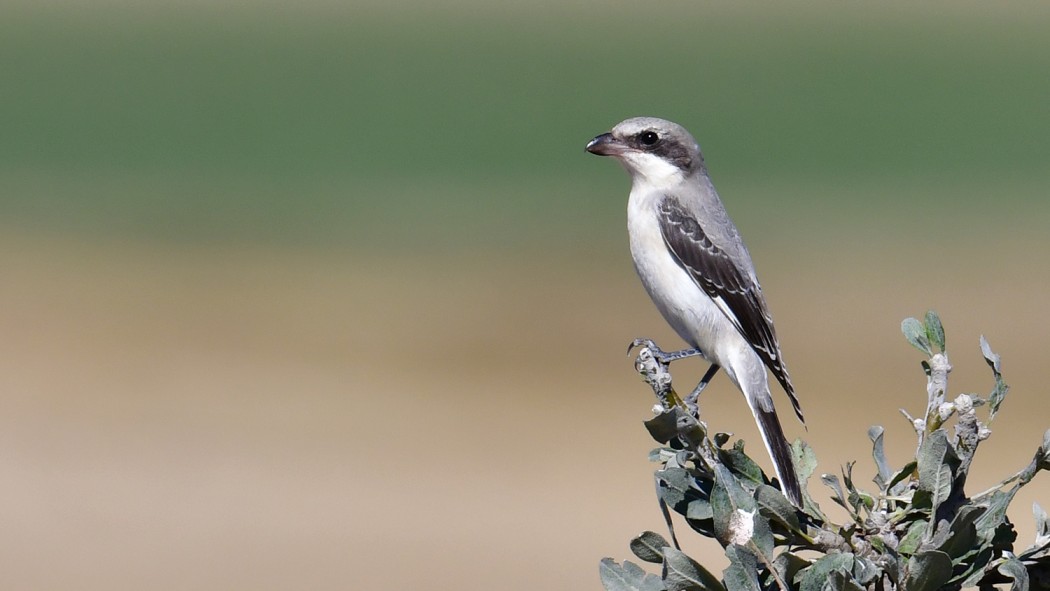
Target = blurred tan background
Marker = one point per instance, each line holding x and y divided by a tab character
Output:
330	297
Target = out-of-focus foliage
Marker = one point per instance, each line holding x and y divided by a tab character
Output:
918	530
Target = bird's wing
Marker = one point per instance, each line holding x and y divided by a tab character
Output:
734	290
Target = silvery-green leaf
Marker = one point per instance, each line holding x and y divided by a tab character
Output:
1042	528
928	571
788	565
815	576
996	396
739	497
901	475
674	486
991	357
912	539
938	537
857	498
832	482
661	454
915	332
935	473
1016	571
840	581
1044	452
664	426
741	465
761	534
1042	533
975	566
875	434
729	501
773	505
699	509
865	571
805	464
805	461
629	577
995	516
649	547
682	573
742	572
962	534
935	330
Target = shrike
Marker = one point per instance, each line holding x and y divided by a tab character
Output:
698	272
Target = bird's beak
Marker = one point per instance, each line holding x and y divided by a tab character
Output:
606	145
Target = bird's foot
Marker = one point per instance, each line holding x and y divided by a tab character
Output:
663	357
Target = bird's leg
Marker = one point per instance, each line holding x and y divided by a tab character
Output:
664	360
694	396
664	357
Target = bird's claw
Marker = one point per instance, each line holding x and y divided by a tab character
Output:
661	356
647	343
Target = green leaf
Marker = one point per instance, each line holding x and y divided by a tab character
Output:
915	332
935	471
742	572
737	519
699	510
832	482
912	539
629	577
857	497
902	475
741	465
814	577
865	571
649	547
1042	533
935	330
721	512
805	461
675	486
664	426
1044	452
788	565
1042	528
875	434
921	500
682	573
962	534
991	357
774	506
839	581
1016	571
728	501
988	524
975	567
805	465
998	394
928	571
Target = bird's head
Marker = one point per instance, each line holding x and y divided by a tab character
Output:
651	149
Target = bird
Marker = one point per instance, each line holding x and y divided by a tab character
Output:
693	263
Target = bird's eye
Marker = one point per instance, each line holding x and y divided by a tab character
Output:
648	138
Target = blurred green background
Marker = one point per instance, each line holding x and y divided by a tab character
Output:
329	296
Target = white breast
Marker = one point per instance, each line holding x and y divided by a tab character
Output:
693	315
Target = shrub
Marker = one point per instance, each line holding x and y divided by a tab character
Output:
918	530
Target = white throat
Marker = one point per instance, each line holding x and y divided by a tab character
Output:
651	171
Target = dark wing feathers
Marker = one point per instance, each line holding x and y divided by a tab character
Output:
721	278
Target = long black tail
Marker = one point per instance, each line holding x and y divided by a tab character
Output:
780	452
